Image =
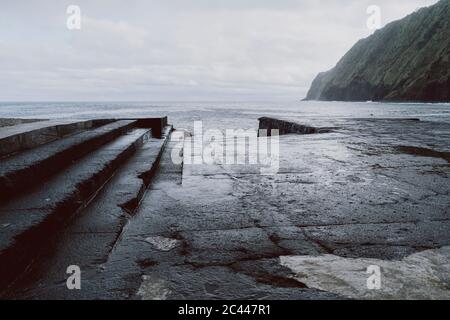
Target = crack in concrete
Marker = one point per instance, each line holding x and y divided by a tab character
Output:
263	277
130	207
320	243
255	226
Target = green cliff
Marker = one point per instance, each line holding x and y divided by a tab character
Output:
407	60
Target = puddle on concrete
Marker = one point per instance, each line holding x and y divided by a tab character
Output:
162	243
153	289
423	275
423	152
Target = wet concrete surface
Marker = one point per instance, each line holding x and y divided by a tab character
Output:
422	275
371	190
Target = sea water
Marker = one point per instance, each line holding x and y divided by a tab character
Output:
223	115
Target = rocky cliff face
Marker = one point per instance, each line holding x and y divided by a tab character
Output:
408	60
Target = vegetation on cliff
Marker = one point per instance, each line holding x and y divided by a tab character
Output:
407	60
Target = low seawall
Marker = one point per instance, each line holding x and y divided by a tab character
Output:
288	127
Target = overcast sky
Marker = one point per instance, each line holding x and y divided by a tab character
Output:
175	50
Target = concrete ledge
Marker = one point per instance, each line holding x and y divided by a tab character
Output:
37	216
97	228
156	124
58	169
43	161
287	127
25	136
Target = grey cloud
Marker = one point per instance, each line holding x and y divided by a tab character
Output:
178	49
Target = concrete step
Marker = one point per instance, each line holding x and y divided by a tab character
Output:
30	220
89	239
31	134
135	181
45	160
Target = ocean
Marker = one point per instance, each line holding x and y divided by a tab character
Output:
232	115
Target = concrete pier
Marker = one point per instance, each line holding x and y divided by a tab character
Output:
368	192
